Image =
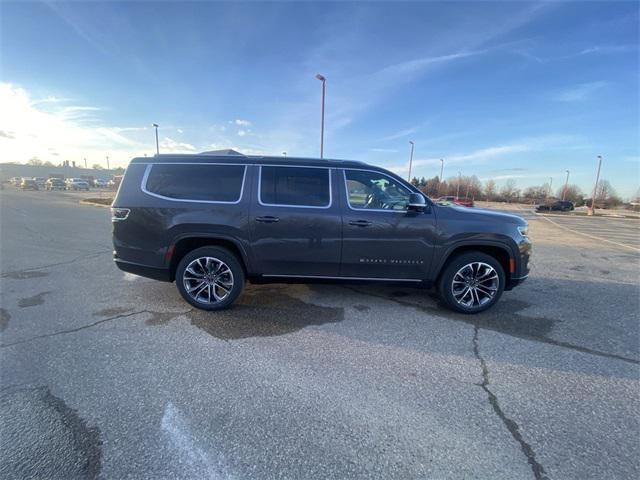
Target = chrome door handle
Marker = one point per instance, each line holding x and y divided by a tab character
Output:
267	219
360	223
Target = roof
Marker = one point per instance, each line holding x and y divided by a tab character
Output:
227	152
215	157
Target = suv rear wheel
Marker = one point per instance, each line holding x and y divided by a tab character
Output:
472	282
210	278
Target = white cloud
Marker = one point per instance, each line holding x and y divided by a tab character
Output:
179	130
169	145
241	133
579	92
384	150
242	123
45	128
476	156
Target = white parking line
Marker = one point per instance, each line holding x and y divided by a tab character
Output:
591	236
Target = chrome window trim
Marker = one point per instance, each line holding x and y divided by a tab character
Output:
346	192
380	279
147	171
328	169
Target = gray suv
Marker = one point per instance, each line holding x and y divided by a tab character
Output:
212	222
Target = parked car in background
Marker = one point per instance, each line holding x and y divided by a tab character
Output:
210	222
40	181
16	181
558	206
28	184
54	184
448	200
99	183
77	184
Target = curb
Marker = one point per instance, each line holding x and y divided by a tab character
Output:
94	204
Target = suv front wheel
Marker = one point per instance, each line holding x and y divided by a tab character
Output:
210	278
472	282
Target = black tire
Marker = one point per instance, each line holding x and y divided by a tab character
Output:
446	282
218	279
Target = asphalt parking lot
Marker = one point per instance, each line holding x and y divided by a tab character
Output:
104	374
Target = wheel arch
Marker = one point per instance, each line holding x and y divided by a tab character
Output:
187	243
501	252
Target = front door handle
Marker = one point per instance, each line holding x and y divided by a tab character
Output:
267	219
360	223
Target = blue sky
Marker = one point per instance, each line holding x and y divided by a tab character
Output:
500	90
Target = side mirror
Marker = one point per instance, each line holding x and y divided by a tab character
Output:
417	202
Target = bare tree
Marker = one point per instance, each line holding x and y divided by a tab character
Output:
34	161
490	189
509	192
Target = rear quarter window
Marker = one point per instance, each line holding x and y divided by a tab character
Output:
204	183
295	186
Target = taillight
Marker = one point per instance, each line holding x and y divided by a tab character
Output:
119	214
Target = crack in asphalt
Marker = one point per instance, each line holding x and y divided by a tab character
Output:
73	330
525	336
514	429
43	267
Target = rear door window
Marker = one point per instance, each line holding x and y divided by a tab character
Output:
295	186
202	183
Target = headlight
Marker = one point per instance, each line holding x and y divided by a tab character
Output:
524	230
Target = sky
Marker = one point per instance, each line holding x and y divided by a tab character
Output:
510	90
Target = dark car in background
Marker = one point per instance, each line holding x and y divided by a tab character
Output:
28	184
54	184
558	206
211	222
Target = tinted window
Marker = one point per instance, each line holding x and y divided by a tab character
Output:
219	183
296	186
375	191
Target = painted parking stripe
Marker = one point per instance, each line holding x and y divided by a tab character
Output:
635	249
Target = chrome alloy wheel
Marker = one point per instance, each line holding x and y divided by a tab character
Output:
208	280
475	284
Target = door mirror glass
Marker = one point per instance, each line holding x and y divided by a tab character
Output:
417	202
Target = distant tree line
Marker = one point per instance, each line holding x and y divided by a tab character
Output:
472	187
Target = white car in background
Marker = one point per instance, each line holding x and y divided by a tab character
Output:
99	183
76	184
40	181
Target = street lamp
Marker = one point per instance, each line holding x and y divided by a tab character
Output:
284	154
108	163
566	184
441	168
550	184
324	82
155	125
595	188
410	161
458	189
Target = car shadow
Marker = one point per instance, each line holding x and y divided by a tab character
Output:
261	311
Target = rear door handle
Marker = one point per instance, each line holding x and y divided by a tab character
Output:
360	223
267	219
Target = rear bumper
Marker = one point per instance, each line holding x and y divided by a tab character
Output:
161	274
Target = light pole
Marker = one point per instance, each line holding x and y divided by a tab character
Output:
410	161
85	163
566	184
595	188
155	125
284	154
324	81
441	168
458	189
108	163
